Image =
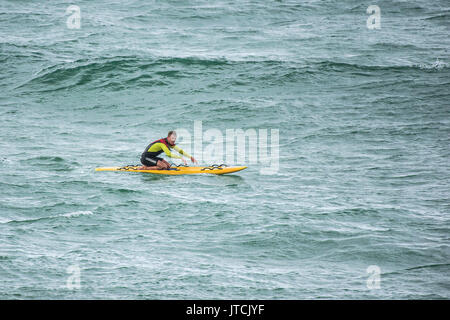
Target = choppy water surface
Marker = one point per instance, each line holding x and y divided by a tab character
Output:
363	179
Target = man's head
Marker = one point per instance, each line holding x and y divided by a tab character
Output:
172	137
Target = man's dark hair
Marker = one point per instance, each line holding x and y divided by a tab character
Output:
171	132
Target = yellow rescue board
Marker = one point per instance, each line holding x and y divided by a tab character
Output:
178	170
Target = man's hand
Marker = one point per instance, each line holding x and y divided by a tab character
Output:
193	160
184	161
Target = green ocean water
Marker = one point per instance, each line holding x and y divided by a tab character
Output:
363	179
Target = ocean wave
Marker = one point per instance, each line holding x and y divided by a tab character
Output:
81	72
416	268
443	16
343	67
55	163
437	65
121	190
47	158
394	45
107	72
122	72
32	220
76	214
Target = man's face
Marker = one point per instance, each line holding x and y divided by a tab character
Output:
172	138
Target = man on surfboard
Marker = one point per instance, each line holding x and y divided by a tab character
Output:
150	159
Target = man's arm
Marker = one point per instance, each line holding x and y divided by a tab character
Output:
181	151
168	153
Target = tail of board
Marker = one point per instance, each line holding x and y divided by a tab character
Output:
178	170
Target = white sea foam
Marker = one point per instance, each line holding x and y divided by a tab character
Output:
438	65
77	213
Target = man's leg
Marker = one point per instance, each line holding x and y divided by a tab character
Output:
149	164
148	168
166	163
163	164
